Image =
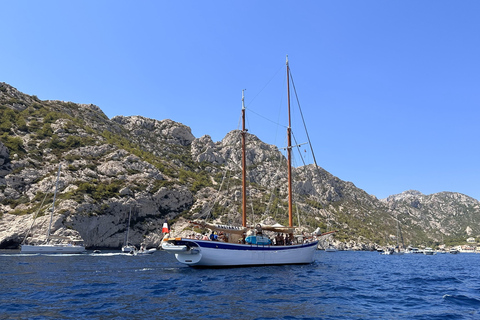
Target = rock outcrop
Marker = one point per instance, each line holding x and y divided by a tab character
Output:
160	171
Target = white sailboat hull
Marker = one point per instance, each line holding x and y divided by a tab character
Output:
201	253
128	249
52	248
145	252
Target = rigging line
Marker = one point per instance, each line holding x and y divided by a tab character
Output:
306	131
268	82
34	217
258	114
272	193
303	119
218	194
298	216
297	145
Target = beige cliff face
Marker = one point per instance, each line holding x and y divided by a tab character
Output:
162	172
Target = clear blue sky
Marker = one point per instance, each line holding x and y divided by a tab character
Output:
390	89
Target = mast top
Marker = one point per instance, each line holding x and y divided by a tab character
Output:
243	99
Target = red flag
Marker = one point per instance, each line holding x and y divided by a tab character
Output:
165	228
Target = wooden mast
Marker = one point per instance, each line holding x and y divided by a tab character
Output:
244	165
289	152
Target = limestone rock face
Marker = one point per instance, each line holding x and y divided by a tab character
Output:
203	149
157	170
168	131
15	230
5	164
447	212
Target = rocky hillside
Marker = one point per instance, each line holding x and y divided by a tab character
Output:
443	217
159	170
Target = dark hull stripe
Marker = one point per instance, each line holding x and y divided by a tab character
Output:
230	246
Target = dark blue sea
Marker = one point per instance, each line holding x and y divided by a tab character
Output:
339	285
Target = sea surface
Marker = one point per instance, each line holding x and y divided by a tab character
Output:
338	285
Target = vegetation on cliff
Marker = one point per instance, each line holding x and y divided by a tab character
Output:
161	169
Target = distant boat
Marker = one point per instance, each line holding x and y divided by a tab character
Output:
453	251
65	245
412	250
253	250
128	247
144	251
429	251
393	251
387	251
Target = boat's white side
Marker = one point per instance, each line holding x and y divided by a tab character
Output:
52	248
202	253
429	252
145	252
128	249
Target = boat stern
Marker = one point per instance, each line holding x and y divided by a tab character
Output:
186	252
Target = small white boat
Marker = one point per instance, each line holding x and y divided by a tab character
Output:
412	250
171	247
429	251
128	247
142	251
64	245
66	248
453	251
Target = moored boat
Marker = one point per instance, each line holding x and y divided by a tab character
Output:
453	251
239	248
429	251
128	247
52	243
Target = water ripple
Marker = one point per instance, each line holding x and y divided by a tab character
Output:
341	285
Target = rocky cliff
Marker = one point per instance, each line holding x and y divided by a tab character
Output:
159	171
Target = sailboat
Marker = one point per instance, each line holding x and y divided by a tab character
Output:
397	250
68	246
251	250
128	247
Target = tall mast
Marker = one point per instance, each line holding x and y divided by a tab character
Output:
289	152
244	165
128	226
53	206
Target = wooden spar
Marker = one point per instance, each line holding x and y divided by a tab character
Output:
244	165
289	152
278	229
325	233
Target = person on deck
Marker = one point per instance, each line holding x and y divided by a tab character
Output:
242	240
221	237
213	236
281	240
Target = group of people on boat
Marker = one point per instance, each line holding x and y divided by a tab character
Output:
218	236
282	240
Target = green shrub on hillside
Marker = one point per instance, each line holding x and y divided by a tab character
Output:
14	144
